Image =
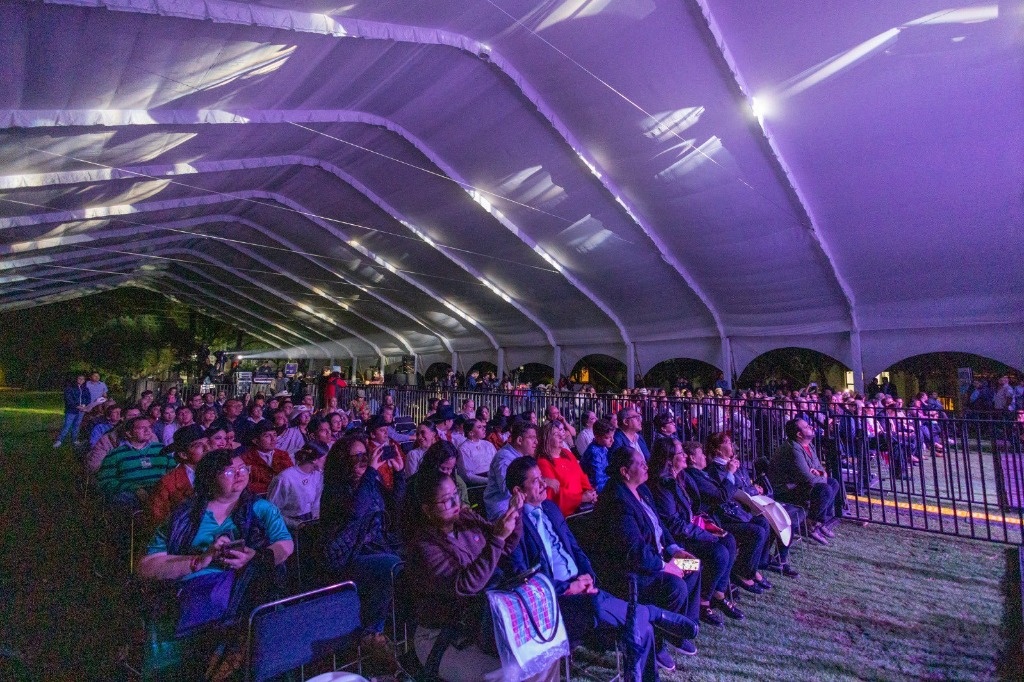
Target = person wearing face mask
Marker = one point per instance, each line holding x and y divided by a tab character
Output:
296	490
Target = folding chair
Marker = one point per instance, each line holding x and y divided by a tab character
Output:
476	496
292	633
305	563
404	425
401	610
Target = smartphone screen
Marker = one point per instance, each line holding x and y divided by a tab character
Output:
234	544
389	452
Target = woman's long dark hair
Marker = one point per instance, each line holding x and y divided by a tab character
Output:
427	483
662	453
437	454
339	469
207	470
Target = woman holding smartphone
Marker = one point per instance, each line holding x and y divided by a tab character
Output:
712	545
454	554
355	513
221	547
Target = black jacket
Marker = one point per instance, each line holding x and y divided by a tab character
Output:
675	510
628	538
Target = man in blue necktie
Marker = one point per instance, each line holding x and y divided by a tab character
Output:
548	542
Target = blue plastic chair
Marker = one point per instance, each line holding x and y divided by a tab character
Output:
291	633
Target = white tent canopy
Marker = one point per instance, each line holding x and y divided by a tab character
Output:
528	180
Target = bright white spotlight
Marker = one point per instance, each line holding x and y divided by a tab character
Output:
759	107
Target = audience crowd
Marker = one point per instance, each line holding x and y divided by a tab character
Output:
644	493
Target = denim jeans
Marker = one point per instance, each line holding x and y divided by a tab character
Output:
372	575
72	422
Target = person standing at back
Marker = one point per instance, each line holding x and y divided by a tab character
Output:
97	389
76	402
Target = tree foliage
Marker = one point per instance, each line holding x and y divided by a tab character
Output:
123	334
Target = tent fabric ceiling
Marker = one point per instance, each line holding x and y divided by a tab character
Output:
529	179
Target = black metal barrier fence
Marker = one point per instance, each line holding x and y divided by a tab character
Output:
937	472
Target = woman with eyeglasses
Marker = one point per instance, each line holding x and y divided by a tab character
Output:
221	547
355	514
454	554
440	456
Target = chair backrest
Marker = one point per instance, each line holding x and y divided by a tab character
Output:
308	557
584	527
299	630
404	425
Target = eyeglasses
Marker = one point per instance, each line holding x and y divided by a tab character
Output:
231	473
450	502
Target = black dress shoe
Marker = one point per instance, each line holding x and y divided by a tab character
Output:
708	615
789	572
763	583
752	587
728	608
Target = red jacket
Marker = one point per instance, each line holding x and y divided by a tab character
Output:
572	482
259	473
173	489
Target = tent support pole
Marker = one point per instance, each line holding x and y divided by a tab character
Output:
501	363
857	359
727	365
630	365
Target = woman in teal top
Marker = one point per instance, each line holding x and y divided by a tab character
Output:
221	547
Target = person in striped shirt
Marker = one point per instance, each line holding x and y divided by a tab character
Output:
133	467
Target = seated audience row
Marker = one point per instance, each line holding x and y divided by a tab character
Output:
682	538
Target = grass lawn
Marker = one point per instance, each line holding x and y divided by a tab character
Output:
881	603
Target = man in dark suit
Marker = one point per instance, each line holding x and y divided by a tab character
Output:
799	476
548	542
